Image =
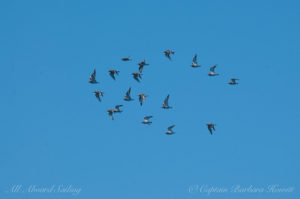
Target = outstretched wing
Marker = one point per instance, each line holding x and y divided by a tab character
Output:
128	92
234	80
136	78
212	69
111	73
210	129
93	76
141	100
144	63
167	100
98	96
141	67
110	113
170	127
118	106
148	117
213	127
195	59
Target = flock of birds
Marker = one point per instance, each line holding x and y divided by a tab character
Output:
142	97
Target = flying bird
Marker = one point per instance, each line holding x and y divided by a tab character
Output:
112	73
93	78
170	131
137	76
147	120
127	96
141	65
212	71
166	103
168	53
194	62
98	94
233	81
211	127
117	109
126	59
141	98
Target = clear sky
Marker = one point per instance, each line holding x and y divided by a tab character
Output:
55	132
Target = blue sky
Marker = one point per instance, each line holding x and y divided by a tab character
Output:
55	132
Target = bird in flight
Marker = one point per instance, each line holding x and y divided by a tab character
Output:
127	96
212	71
137	76
93	78
170	131
195	62
147	120
112	73
141	65
168	53
233	81
98	94
166	103
126	59
211	127
141	98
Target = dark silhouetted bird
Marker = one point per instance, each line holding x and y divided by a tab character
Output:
211	127
98	94
166	103
194	62
127	96
141	65
137	76
146	120
141	98
93	78
126	59
212	71
168	53
233	81
112	73
170	131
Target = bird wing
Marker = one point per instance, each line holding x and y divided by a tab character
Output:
128	92
209	128
141	67
112	74
136	78
118	106
212	69
170	127
98	96
195	59
148	117
110	113
166	100
93	75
